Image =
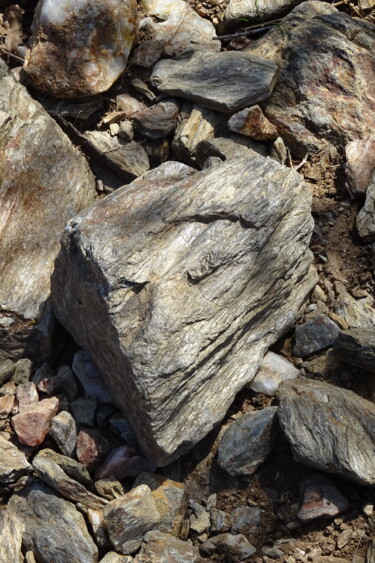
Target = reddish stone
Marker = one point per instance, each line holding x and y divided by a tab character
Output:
32	425
6	405
91	448
27	395
124	461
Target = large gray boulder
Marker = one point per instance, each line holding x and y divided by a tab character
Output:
178	283
44	181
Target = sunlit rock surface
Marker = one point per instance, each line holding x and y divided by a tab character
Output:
80	47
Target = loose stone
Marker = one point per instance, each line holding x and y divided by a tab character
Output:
32	425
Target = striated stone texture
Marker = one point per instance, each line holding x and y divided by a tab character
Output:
329	428
164	548
81	48
44	177
203	271
360	165
366	216
253	123
357	347
13	463
324	92
11	531
257	10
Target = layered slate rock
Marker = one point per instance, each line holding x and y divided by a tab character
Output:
323	95
190	276
329	428
11	531
357	347
366	217
226	82
13	463
44	181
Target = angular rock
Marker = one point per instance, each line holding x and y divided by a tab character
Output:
229	260
113	557
257	10
11	532
357	313
220	521
357	347
52	474
315	335
6	406
177	25
226	148
164	548
83	410
62	383
234	547
71	467
247	442
109	488
92	447
46	176
320	499
7	369
128	518
246	520
226	82
128	105
81	49
32	425
329	428
128	160
157	121
272	371
310	106
22	372
360	165
253	123
63	430
366	217
54	529
90	379
170	500
200	519
148	53
26	395
13	463
124	461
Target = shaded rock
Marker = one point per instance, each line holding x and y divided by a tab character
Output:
279	151
71	467
226	82
226	148
219	256
128	518
13	463
360	165
234	547
246	520
90	379
148	52
247	442
370	554
321	498
177	25
272	371
157	121
7	369
329	428
257	10
52	474
48	178
128	160
83	410
96	520
92	447
124	461
357	313
197	126
72	109
6	406
54	529
315	335
109	488
357	347
366	217
220	521
32	425
170	500
80	50
11	532
113	557
253	123
200	519
26	395
63	430
310	106
128	105
22	372
63	382
164	548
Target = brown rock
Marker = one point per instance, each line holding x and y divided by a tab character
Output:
32	425
253	123
92	447
6	405
320	498
26	395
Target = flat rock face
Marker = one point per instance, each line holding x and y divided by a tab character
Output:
11	531
202	272
13	463
357	347
165	548
226	81
366	217
329	428
44	181
321	96
257	9
81	48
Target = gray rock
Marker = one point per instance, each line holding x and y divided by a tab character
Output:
226	148
164	548
13	463
54	529
113	557
220	521
366	217
226	82
157	121
257	10
360	165
234	547
320	499
357	313
200	519
272	371
22	372
90	379
64	431
209	262
7	369
304	106
357	347
247	442
329	428
11	532
71	467
45	176
246	520
370	554
83	410
128	518
315	335
109	488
